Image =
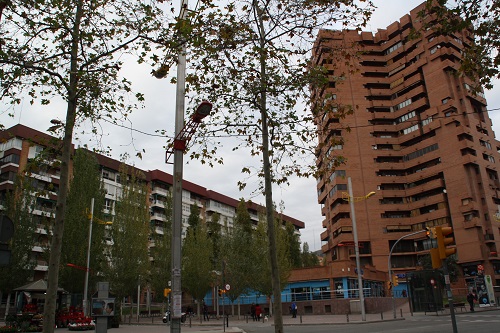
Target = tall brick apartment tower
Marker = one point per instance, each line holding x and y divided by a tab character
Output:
420	138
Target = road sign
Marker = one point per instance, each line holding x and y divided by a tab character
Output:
228	287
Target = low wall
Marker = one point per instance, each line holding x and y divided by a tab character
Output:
334	306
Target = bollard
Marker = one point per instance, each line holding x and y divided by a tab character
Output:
152	319
381	316
401	311
301	319
347	316
189	320
246	318
227	320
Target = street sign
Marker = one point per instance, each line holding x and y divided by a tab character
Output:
228	287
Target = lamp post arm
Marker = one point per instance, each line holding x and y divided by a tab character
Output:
390	266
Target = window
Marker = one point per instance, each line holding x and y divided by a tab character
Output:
402	104
434	49
12	158
394	47
420	152
108	204
445	100
485	144
488	158
410	129
338	187
405	117
427	121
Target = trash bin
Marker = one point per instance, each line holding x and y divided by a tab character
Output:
355	306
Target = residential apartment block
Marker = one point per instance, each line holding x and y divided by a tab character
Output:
420	137
19	144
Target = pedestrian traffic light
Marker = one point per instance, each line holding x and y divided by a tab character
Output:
435	259
431	232
443	241
166	291
395	281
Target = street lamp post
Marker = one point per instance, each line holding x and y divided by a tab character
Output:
389	268
87	268
356	247
86	286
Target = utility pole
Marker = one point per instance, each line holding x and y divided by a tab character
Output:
176	247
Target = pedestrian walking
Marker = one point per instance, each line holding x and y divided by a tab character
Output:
471	298
258	312
252	312
294	310
205	312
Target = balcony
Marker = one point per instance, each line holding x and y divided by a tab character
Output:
37	248
159	216
159	230
160	191
42	266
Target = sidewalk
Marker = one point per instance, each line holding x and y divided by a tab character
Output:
241	325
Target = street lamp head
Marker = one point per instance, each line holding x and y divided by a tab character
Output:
202	111
370	194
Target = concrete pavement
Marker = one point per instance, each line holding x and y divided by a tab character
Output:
240	325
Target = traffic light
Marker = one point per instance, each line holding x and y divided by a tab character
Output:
436	260
221	292
166	291
443	241
431	232
388	285
395	281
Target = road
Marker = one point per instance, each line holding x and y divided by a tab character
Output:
484	321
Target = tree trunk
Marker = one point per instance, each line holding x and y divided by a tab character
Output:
57	233
268	189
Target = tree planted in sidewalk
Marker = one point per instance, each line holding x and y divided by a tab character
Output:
251	60
73	51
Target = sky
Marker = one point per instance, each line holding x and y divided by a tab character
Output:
299	198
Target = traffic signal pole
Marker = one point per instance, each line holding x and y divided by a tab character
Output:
449	296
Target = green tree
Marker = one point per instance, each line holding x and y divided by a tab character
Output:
262	272
239	254
160	270
242	218
128	256
481	60
73	50
19	205
450	262
194	219
253	56
293	240
197	268
309	259
85	185
214	229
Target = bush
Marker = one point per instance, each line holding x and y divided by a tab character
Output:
8	329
